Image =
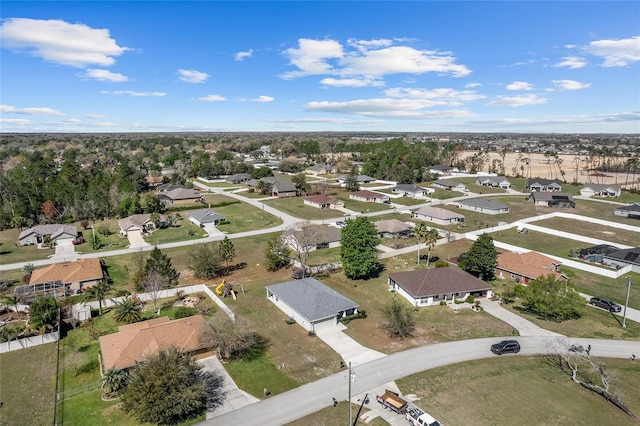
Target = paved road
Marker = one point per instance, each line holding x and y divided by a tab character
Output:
312	397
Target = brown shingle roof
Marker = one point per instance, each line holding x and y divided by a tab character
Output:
391	226
367	194
77	271
431	282
133	342
321	199
531	265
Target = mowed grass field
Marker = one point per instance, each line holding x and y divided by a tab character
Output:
512	390
27	386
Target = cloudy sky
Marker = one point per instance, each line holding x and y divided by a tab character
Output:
423	66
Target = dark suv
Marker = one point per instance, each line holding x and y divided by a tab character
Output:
605	304
506	347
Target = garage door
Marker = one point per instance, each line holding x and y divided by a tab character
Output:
328	323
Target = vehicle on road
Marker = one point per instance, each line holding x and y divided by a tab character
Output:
506	347
607	304
340	224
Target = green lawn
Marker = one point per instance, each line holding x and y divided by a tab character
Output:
295	207
593	230
519	390
361	206
27	386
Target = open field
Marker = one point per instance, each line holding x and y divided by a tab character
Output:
613	235
27	389
519	390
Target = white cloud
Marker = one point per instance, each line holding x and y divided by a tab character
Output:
193	76
572	62
570	84
564	120
518	101
351	82
72	121
616	53
434	97
241	55
94	116
16	121
263	98
133	93
212	98
519	85
472	85
322	120
367	59
386	107
30	110
105	75
57	41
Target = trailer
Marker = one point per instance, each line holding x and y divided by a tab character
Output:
391	400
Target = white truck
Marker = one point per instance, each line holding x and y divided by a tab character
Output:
417	417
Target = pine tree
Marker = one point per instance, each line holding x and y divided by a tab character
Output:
227	252
276	254
358	242
481	259
161	263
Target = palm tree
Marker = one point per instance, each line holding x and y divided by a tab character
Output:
430	239
98	292
113	380
128	311
420	231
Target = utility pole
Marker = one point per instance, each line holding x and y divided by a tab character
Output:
351	378
626	303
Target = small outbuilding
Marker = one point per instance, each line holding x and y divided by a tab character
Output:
310	303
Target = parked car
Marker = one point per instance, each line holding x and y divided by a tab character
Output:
605	304
506	347
340	224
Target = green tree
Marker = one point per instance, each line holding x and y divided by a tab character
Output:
552	299
261	172
358	242
113	381
43	312
399	320
204	260
128	311
300	181
169	388
98	292
276	254
227	252
351	184
262	187
481	259
428	235
160	262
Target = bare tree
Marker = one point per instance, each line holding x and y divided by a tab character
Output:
153	283
575	360
233	339
303	238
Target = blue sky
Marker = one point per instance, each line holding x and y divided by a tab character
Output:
419	66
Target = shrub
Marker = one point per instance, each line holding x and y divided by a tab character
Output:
290	320
443	303
184	311
469	299
441	263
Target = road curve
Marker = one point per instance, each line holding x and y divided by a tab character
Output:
312	397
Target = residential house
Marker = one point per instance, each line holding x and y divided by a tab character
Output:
552	199
623	258
525	267
392	228
441	169
483	205
314	237
238	178
426	287
135	223
310	303
179	196
412	191
202	217
369	197
450	185
539	185
493	181
323	202
62	279
278	187
361	179
320	169
600	190
134	342
631	211
438	215
41	235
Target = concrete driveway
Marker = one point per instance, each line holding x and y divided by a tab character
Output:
65	250
136	240
349	349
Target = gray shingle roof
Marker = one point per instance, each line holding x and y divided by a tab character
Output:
630	208
312	299
484	204
206	216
